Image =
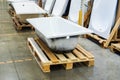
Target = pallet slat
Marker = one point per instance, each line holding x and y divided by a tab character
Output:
51	56
88	54
115	47
79	55
61	57
39	52
100	40
71	57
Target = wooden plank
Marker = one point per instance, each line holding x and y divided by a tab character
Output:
61	57
40	3
38	51
100	40
71	56
17	24
86	53
47	51
115	28
79	55
116	45
117	34
44	67
118	11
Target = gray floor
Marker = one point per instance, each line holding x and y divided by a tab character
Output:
17	63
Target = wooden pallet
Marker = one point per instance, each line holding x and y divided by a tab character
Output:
115	47
19	25
45	57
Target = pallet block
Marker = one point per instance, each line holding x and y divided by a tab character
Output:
19	25
115	46
11	12
45	57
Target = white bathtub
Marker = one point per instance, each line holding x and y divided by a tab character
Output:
59	34
75	7
59	7
25	10
103	17
29	7
49	5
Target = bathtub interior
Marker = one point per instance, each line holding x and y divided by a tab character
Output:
27	8
59	7
49	5
102	21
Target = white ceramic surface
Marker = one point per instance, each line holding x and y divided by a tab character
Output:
74	10
75	7
54	27
59	7
49	5
27	8
43	2
11	1
103	17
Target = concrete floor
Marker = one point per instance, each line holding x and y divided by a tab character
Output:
17	63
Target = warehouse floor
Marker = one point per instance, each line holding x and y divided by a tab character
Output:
17	63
